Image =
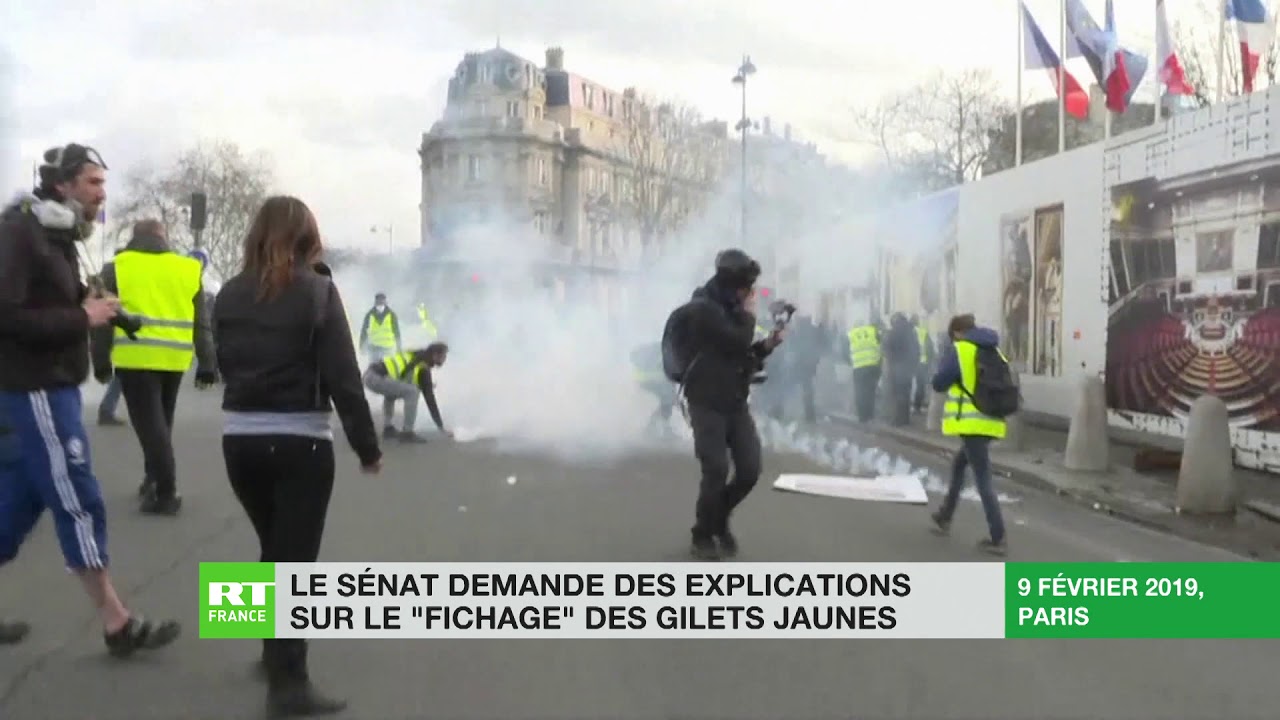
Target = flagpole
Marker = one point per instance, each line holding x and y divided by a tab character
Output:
1062	76
1017	135
1159	63
1222	48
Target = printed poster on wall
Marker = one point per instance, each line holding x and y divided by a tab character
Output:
1195	295
1015	283
1046	355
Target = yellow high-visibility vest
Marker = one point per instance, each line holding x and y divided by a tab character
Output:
649	376
864	346
381	334
923	334
959	415
160	289
399	365
425	319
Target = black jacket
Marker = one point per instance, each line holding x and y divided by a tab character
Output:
44	333
104	338
901	347
276	355
724	354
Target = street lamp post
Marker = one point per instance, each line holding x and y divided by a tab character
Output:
391	236
745	70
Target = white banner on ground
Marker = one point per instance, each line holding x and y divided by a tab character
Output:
881	488
638	600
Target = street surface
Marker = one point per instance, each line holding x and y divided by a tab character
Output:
453	503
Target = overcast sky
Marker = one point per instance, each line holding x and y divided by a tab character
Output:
339	91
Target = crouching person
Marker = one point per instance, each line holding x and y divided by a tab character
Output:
402	377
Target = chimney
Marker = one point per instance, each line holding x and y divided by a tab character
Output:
629	93
555	58
786	132
766	125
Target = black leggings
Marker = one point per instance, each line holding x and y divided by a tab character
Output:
284	483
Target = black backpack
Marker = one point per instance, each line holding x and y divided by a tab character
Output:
995	392
677	344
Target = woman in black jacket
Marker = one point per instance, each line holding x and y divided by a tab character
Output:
287	358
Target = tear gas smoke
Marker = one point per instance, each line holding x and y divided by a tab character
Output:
540	336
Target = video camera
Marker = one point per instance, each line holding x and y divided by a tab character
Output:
782	312
129	324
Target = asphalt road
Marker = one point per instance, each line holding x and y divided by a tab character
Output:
442	503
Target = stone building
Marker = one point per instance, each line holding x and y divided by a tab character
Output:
532	149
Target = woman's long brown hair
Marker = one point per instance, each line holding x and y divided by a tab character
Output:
284	236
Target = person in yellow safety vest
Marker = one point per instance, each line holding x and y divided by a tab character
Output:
957	376
646	361
927	355
402	377
425	319
864	356
164	290
380	331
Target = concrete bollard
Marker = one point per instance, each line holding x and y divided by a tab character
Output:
1206	483
1088	444
937	401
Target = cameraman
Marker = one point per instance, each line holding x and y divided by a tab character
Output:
717	383
45	318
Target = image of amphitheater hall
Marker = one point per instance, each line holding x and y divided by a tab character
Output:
1195	295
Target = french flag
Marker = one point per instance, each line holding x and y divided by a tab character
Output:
1169	68
1116	69
1256	27
1038	54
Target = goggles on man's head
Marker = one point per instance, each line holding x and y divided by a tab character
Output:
69	159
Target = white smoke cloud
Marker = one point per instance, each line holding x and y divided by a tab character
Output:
547	368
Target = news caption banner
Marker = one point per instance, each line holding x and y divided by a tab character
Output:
744	600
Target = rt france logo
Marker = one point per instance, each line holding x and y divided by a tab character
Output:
237	601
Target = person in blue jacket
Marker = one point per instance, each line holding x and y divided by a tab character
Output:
957	377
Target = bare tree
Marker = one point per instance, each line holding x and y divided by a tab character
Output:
1196	42
671	159
937	134
235	183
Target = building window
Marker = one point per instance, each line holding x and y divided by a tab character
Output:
473	168
486	73
513	109
543	176
588	96
482	109
541	222
537	112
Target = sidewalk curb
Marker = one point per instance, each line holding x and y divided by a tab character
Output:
1016	475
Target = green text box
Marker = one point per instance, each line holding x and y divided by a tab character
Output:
237	600
1142	600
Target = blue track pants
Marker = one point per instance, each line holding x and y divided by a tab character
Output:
44	464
